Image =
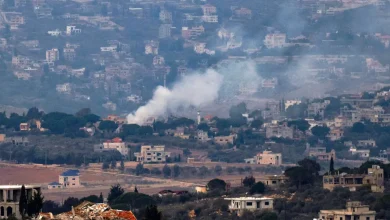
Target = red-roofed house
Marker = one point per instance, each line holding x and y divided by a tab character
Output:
117	144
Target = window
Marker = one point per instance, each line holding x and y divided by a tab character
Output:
73	178
248	203
367	218
73	184
266	203
341	218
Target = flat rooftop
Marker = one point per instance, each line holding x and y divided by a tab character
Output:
19	186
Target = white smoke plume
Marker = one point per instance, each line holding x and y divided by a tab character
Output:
197	90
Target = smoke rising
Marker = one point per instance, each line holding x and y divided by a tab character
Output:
199	89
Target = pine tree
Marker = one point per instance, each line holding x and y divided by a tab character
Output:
135	189
331	166
23	202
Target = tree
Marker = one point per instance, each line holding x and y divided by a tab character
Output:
135	189
331	165
145	130
122	167
130	129
91	118
203	127
139	169
299	176
113	164
256	124
23	202
108	126
249	181
166	171
257	188
33	113
218	170
216	184
320	131
105	165
310	165
101	198
358	127
152	213
176	170
300	124
104	10
35	204
83	112
114	193
187	152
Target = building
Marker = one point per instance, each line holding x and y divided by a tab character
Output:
243	13
165	16
164	31
52	55
158	60
317	108
70	30
151	47
267	157
202	135
9	199
24	127
241	204
279	131
292	102
366	143
210	18
118	145
200	47
319	153
354	210
276	40
209	9
274	180
70	179
336	134
69	54
374	178
224	140
108	49
193	32
150	153
361	153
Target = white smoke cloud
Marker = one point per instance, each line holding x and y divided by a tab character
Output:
197	90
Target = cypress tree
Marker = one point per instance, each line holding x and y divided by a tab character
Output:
101	199
23	202
135	189
331	166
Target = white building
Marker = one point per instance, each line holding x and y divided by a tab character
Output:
9	199
64	88
210	18
202	136
108	49
52	55
289	103
360	153
118	145
164	31
200	48
240	204
70	30
151	153
275	40
55	33
68	179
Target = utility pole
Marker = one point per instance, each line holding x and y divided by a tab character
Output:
46	158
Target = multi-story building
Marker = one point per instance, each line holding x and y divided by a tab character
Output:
165	16
52	55
202	135
274	180
319	153
193	32
317	108
164	31
68	179
241	204
275	40
9	199
70	30
336	134
291	102
360	152
158	60
150	153
354	210
210	18
374	178
69	54
279	131
118	145
209	9
366	143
